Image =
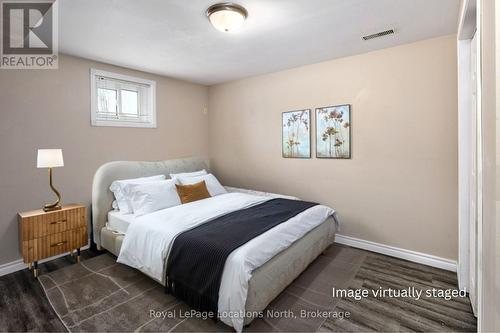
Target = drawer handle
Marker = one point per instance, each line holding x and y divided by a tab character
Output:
58	222
58	244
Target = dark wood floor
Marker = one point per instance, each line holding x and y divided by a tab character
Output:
402	314
24	306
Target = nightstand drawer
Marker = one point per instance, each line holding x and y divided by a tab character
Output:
41	225
51	245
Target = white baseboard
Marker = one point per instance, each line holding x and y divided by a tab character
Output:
418	257
19	264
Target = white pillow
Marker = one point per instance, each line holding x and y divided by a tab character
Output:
149	197
188	174
117	188
213	185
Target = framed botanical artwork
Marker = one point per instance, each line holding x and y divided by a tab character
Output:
333	132
296	134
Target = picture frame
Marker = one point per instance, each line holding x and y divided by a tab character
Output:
296	134
333	132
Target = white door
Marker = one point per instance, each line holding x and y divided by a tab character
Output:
474	211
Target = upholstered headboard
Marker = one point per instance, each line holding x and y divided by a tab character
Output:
102	198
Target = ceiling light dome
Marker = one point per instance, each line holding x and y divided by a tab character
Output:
227	17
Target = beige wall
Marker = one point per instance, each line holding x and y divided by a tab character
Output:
490	316
51	109
400	187
497	174
404	137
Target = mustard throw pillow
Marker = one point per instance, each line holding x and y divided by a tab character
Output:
194	192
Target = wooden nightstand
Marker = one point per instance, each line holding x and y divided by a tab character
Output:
46	234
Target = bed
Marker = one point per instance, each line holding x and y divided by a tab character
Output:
266	282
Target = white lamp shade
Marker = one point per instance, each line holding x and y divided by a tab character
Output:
49	158
227	20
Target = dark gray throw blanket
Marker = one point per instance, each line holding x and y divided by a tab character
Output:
197	258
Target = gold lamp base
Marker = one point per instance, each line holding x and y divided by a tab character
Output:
50	208
55	205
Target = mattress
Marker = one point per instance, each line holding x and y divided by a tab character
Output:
119	222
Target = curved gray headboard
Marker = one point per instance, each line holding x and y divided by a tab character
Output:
102	198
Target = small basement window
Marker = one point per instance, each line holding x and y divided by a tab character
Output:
121	100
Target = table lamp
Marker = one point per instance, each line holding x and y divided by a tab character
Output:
50	158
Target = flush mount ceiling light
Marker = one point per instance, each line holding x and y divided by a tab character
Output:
227	16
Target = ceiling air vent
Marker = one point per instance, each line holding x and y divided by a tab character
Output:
379	34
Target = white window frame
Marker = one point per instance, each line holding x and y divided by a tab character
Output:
151	95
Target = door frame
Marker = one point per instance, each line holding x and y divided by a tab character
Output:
469	25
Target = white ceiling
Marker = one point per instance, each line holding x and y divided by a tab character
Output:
174	38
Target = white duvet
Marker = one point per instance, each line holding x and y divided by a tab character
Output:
148	240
